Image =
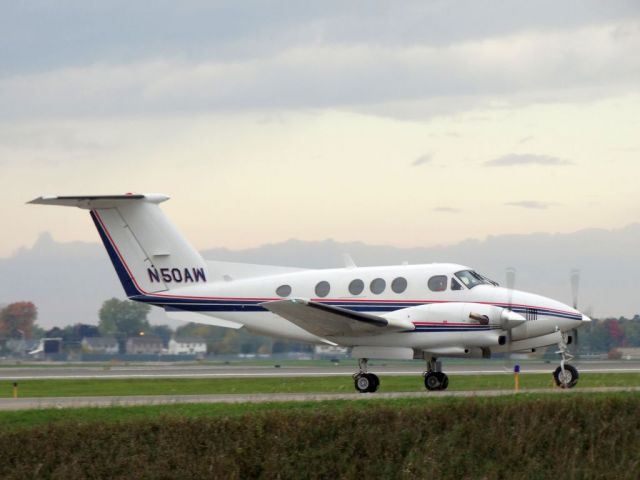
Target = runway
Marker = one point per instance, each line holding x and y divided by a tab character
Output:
89	371
122	401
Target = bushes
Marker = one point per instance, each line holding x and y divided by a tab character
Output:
566	437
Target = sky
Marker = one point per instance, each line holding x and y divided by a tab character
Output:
397	123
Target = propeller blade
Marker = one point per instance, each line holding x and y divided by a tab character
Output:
509	318
511	278
575	286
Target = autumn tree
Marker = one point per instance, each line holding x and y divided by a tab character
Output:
123	318
17	320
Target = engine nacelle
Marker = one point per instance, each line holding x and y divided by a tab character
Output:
459	312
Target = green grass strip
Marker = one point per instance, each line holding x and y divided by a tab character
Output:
334	384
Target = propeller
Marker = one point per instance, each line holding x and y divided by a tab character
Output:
575	287
510	282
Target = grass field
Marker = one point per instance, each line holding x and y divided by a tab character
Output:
14	420
521	437
333	384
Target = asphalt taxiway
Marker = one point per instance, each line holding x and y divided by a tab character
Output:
88	371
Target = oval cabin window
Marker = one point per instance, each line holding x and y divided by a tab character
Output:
356	287
399	284
322	289
438	283
283	290
377	286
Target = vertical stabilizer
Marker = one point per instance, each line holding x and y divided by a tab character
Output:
148	252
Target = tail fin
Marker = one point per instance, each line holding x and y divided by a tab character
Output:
148	252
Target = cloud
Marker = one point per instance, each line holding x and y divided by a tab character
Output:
422	159
313	73
531	204
45	33
447	210
515	159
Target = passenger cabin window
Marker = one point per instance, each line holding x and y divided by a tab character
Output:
455	285
471	279
377	286
322	289
438	283
283	290
399	284
356	287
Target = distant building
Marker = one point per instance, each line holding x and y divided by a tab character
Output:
21	346
330	352
187	346
144	345
629	353
104	345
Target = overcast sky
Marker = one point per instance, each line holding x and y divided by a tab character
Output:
401	123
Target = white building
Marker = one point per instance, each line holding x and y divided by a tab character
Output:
330	352
105	345
187	346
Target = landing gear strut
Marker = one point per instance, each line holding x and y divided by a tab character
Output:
565	376
433	378
364	381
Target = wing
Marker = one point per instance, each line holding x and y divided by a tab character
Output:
329	321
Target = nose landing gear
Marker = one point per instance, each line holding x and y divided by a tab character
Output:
565	376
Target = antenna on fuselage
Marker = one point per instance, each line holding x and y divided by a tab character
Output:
348	261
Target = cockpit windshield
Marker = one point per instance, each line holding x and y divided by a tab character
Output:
470	278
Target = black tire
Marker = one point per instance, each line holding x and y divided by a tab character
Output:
444	380
433	381
362	383
375	382
571	376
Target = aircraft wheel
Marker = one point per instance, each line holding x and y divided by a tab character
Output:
375	382
367	382
570	377
444	380
433	381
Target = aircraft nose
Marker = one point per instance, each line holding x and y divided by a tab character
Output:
585	318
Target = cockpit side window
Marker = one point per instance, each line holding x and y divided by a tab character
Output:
438	283
470	279
455	285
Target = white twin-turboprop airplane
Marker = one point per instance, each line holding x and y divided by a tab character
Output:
392	312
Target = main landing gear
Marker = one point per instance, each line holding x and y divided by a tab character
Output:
434	379
565	376
365	382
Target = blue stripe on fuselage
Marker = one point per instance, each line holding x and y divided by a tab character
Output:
127	282
240	305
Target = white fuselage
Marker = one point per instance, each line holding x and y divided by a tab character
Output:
238	300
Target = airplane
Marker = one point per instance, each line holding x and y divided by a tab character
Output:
426	312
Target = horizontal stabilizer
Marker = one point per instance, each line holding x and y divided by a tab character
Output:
329	321
90	202
201	318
